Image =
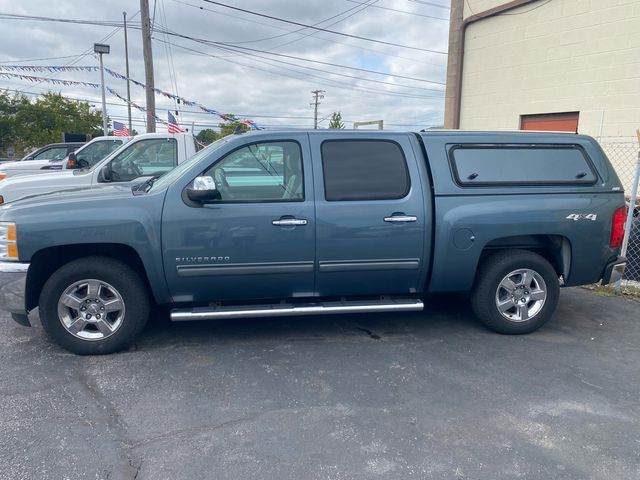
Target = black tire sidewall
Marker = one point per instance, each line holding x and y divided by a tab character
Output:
491	273
115	273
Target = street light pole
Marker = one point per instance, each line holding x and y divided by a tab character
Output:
126	55
100	49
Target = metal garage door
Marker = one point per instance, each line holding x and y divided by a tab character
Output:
555	122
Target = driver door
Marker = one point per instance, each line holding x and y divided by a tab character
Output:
257	241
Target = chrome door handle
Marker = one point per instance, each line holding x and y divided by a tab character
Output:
401	218
288	222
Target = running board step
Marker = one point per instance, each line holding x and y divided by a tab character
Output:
281	310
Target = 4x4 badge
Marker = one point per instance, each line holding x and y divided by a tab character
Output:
582	216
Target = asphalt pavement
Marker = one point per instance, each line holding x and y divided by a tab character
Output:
412	395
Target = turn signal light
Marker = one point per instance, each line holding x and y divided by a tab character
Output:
71	163
617	227
3	175
1	199
8	244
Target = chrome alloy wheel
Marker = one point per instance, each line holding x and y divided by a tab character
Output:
91	309
521	295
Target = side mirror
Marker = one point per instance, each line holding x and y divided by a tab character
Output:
203	189
71	162
105	174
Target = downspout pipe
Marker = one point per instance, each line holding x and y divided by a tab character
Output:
492	12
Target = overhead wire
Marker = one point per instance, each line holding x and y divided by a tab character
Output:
327	40
283	55
355	11
332	82
300	24
401	11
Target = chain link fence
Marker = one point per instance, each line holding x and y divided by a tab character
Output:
624	157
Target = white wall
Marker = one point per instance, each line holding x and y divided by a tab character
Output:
566	55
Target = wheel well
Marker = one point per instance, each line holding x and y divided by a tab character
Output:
46	261
556	249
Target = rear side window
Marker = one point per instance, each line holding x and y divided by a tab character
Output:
479	165
520	165
364	170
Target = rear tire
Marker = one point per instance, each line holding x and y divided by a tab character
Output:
516	292
94	305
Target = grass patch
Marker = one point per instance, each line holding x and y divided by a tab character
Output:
628	290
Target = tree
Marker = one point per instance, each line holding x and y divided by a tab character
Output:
336	120
9	106
36	123
229	128
207	136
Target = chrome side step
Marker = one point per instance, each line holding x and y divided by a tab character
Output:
281	310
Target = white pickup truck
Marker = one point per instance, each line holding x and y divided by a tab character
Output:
143	157
91	153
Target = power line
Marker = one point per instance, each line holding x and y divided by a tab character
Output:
289	32
102	23
323	29
40	59
360	47
223	44
306	75
356	10
401	11
423	2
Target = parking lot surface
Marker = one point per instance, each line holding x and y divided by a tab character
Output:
419	395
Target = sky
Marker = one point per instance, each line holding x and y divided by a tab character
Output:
244	72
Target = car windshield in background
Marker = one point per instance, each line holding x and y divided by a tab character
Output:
170	177
91	154
55	153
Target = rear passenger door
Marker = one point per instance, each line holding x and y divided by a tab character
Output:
370	215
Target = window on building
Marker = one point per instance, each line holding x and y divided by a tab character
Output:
364	170
551	122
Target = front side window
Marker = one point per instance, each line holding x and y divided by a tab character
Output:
261	172
155	156
53	153
364	170
88	156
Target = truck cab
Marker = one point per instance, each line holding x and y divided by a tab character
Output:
88	154
142	157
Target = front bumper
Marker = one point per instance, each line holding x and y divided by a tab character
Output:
614	271
13	283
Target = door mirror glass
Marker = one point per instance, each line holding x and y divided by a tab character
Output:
203	189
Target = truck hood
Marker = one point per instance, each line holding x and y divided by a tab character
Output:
73	196
50	179
30	164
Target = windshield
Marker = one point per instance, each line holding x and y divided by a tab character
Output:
174	174
92	153
53	153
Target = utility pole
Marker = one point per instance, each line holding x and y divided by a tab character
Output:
317	95
148	66
126	56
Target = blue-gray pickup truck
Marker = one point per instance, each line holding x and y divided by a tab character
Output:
315	222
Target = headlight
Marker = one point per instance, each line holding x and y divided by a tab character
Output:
8	238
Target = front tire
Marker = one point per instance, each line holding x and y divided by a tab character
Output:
516	292
94	305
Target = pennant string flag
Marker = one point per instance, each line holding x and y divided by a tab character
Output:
79	68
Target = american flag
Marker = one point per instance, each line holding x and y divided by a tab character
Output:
120	129
173	125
